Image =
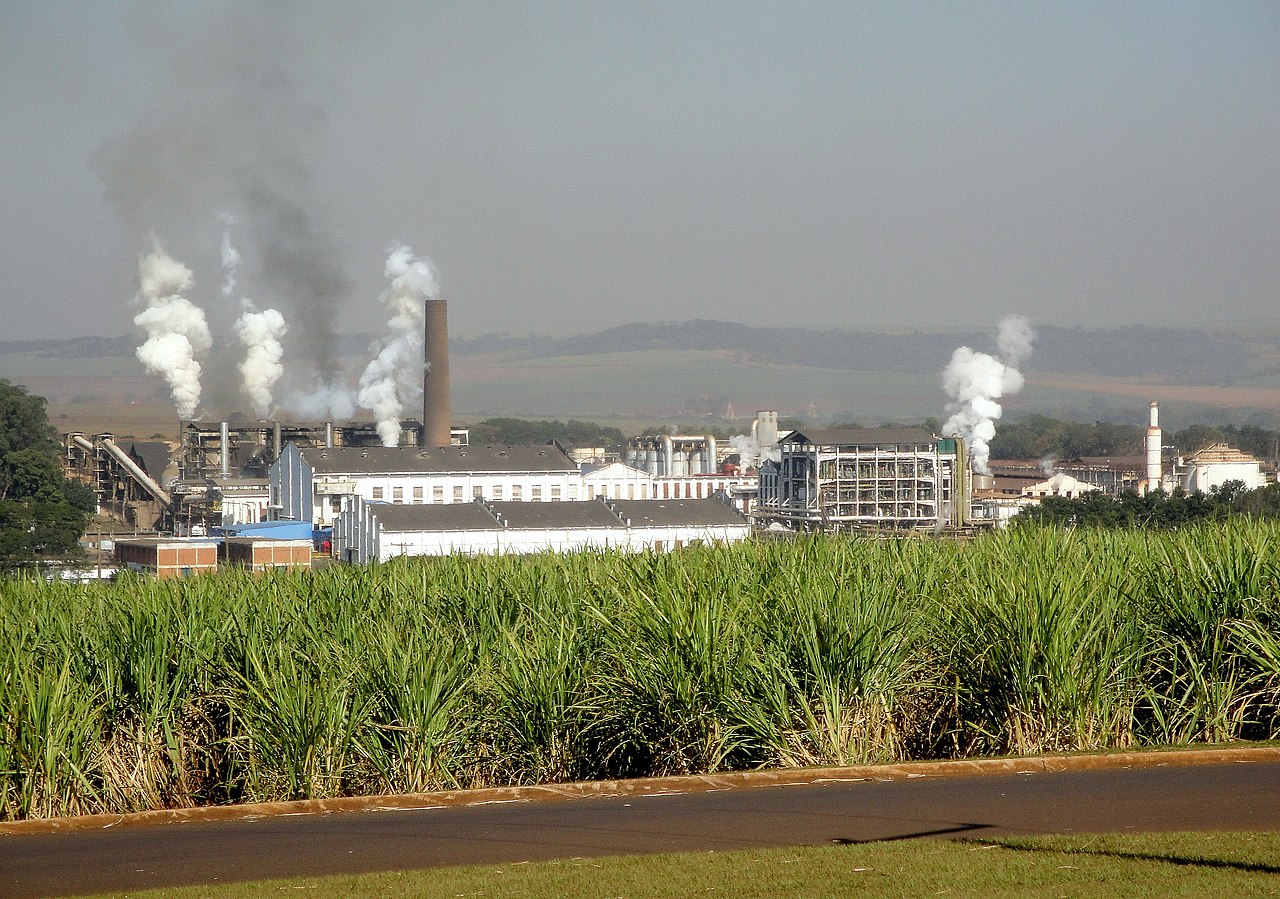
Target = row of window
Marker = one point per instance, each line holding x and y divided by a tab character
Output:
689	490
498	493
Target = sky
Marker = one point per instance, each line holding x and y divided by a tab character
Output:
571	166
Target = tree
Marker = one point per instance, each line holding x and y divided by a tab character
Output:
42	515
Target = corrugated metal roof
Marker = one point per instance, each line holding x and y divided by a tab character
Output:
417	460
569	515
1220	453
860	436
677	512
554	515
456	517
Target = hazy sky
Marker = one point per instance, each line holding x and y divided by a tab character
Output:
570	166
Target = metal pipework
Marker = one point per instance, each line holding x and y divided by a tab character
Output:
224	454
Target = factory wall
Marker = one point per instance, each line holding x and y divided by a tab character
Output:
359	537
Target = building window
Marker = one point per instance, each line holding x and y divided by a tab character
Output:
555	492
377	493
631	491
477	493
536	493
397	494
497	491
517	492
437	494
573	491
417	494
457	493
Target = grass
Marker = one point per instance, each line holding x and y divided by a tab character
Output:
1131	865
425	674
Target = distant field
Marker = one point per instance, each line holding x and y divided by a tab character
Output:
633	389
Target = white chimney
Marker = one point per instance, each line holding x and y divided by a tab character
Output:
1154	439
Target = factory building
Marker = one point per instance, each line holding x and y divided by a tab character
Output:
878	479
257	554
316	483
167	558
1211	467
674	455
368	531
618	480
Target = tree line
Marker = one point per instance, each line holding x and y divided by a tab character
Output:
42	514
1040	437
1158	509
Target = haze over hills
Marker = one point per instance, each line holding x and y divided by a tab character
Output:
1173	355
644	373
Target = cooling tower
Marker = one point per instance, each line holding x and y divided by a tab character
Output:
437	418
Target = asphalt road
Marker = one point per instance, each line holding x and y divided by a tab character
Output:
1239	796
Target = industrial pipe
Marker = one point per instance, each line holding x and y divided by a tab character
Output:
132	467
224	455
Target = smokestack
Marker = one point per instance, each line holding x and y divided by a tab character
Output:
225	436
437	418
275	438
1154	440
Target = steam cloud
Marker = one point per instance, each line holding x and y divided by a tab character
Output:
394	376
975	381
751	452
176	328
260	332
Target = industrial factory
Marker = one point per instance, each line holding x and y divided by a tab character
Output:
361	491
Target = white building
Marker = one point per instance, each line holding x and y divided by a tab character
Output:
1059	484
1214	465
617	480
240	500
316	483
367	531
621	481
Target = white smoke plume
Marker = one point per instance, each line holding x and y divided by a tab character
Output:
394	376
322	402
176	328
976	381
751	453
230	259
259	332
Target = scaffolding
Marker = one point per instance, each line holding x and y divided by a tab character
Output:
890	479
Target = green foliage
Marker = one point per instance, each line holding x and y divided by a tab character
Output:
1158	509
41	514
424	674
1038	437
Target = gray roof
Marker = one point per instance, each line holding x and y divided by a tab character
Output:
456	517
677	512
555	515
860	436
568	515
436	459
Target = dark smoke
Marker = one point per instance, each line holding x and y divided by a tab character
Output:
239	129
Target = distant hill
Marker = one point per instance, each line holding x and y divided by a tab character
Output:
1181	356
